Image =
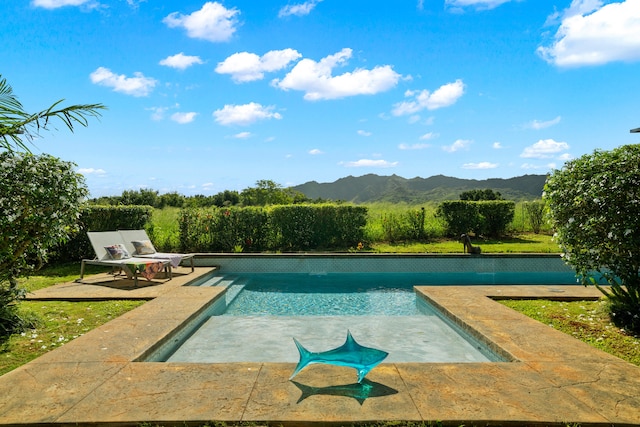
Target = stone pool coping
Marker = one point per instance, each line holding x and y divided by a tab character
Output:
95	378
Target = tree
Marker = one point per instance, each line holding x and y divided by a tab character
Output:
267	192
17	127
594	204
40	196
477	195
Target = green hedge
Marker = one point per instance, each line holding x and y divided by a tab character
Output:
101	218
487	217
275	228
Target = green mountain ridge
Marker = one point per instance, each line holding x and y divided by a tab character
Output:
396	189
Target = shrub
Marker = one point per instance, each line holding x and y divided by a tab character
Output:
535	214
101	218
460	216
594	204
495	216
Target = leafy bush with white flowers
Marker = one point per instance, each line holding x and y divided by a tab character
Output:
594	204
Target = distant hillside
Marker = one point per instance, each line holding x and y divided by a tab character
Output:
395	189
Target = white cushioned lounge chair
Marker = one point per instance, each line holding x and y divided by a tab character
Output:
138	244
110	250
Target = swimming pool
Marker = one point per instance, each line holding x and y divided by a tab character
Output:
259	314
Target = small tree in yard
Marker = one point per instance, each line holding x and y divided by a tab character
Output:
594	204
40	196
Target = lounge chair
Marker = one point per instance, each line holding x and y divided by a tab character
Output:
110	251
138	244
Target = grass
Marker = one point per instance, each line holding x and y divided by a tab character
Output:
517	243
57	323
585	320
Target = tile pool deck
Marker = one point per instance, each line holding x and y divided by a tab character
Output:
96	380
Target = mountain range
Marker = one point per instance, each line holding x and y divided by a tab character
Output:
396	189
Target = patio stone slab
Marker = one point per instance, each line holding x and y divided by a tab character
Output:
329	394
168	392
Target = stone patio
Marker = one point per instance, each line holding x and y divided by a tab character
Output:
97	378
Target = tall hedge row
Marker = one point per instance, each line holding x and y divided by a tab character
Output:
276	228
486	217
101	218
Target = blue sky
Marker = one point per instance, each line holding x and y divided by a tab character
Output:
210	96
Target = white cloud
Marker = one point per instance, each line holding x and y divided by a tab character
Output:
244	114
370	164
246	67
544	149
183	118
460	144
537	125
54	4
593	34
497	145
444	96
318	83
480	165
413	146
301	9
91	171
139	85
476	4
181	61
213	22
364	133
315	152
243	135
428	135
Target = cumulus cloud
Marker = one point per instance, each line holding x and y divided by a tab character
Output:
364	133
54	4
444	96
301	9
138	85
246	67
244	114
480	165
213	22
458	5
181	61
537	125
497	145
544	149
413	146
318	83
460	144
428	135
183	118
315	152
370	164
594	34
243	135
91	171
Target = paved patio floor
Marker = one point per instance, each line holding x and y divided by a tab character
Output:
96	379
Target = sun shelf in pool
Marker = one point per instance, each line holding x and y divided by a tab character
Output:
259	315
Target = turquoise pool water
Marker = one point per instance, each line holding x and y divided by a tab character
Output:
259	315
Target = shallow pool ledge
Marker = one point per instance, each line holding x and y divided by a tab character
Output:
446	268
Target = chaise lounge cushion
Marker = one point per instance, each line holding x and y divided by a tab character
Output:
143	247
117	251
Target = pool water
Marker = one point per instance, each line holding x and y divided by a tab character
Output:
260	314
325	295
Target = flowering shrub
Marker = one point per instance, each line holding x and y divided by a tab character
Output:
594	204
40	199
